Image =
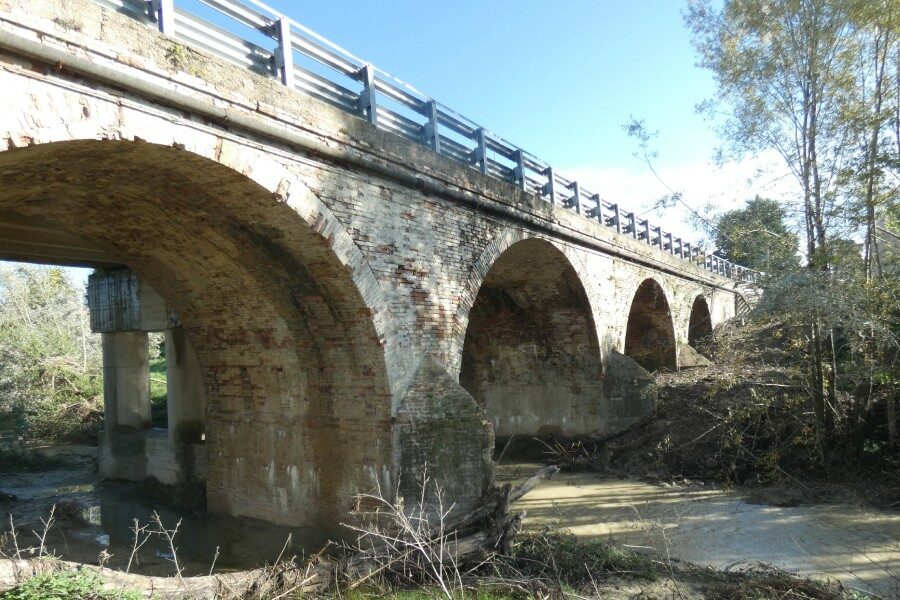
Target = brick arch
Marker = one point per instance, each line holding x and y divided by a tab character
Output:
699	322
650	330
487	258
530	354
287	322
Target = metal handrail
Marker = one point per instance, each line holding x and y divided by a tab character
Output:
345	81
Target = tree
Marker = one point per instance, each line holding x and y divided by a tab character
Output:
757	236
49	359
817	81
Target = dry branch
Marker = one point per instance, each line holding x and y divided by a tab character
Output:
485	531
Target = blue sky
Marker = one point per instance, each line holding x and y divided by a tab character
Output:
558	79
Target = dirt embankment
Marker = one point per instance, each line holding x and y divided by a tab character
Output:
746	420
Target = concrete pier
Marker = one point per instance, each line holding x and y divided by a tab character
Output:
126	380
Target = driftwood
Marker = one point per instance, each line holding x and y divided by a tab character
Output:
489	529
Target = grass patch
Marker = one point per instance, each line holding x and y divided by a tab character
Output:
67	585
416	594
159	416
764	583
16	460
563	557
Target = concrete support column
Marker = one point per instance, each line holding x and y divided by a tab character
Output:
184	388
126	380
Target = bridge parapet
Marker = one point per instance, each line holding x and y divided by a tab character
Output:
254	36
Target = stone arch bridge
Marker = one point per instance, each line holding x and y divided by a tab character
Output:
343	307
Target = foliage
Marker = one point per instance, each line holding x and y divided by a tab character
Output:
159	416
15	460
757	236
50	363
818	81
746	420
564	557
861	319
67	585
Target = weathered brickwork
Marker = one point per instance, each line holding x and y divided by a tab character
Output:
650	333
530	355
315	263
700	322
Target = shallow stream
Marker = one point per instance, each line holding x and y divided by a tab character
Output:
699	524
711	526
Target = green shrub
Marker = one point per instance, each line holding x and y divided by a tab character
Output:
16	460
564	557
67	585
51	380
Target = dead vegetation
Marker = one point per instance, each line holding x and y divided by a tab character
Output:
746	420
422	551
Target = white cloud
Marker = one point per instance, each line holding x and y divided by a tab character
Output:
705	187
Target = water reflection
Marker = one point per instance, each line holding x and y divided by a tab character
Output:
94	518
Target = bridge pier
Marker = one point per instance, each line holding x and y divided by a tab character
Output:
185	404
125	310
126	380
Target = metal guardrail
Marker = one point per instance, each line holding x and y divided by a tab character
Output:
276	46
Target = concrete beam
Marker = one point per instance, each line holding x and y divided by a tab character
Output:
120	301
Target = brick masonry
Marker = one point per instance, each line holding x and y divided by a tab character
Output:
315	292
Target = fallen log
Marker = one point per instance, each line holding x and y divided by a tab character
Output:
485	531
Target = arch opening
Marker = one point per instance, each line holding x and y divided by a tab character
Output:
530	356
650	333
293	370
700	323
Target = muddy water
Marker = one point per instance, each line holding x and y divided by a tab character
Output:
697	524
707	526
94	518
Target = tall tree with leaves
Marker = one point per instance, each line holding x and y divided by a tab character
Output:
809	80
783	70
873	117
756	236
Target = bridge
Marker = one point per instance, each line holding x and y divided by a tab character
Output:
356	283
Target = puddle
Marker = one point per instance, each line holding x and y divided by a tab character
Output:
709	526
98	517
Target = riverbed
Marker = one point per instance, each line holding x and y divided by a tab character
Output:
721	528
704	525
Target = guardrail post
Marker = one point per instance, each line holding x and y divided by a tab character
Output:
647	232
284	54
632	219
659	239
432	137
549	188
575	200
519	171
598	210
671	243
366	104
163	12
617	215
480	153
